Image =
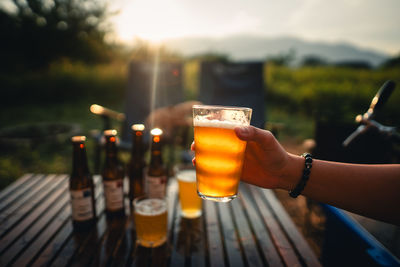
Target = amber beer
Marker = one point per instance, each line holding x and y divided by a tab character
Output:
189	200
219	152
150	221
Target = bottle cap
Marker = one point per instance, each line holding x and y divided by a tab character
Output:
138	127
78	139
156	131
110	132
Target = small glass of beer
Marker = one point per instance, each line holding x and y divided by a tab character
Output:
219	152
189	200
150	221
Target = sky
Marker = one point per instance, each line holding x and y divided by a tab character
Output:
371	24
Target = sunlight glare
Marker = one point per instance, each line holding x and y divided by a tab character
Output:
150	23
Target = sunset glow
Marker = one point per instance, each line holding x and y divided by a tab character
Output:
365	23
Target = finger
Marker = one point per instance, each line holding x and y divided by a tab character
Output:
251	133
194	161
192	146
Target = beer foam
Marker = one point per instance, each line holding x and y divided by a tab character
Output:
228	119
186	176
217	124
151	207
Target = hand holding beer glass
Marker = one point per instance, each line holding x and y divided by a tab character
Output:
219	152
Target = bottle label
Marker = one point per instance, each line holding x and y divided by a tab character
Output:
114	194
156	186
81	201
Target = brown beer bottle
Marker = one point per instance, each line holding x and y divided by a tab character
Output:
156	178
136	164
81	187
113	177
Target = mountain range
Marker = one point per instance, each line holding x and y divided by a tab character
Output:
249	47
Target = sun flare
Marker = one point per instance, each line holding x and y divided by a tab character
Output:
154	24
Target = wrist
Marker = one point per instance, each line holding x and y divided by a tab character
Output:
292	172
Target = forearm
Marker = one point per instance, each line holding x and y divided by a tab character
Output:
371	190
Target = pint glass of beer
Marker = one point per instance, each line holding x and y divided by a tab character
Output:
150	221
219	152
189	200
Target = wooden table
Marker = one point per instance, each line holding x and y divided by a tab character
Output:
253	230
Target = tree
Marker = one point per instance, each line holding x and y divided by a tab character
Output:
283	59
212	56
392	62
313	61
354	64
37	32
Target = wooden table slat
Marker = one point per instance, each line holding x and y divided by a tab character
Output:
187	239
216	253
254	230
159	256
13	187
178	246
141	256
197	242
282	244
30	202
188	247
173	222
53	248
87	251
67	242
71	245
172	201
20	192
106	248
230	236
44	237
246	235
58	197
297	240
123	252
109	232
262	235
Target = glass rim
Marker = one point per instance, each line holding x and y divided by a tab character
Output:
220	107
182	179
142	197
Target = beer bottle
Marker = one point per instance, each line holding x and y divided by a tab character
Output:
113	177
156	178
136	164
81	187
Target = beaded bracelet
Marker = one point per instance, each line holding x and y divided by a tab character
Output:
304	178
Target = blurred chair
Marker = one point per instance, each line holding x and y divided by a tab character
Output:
234	84
150	88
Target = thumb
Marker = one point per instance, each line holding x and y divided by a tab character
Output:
251	133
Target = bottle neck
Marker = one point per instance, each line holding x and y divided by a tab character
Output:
137	145
79	165
156	155
111	151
